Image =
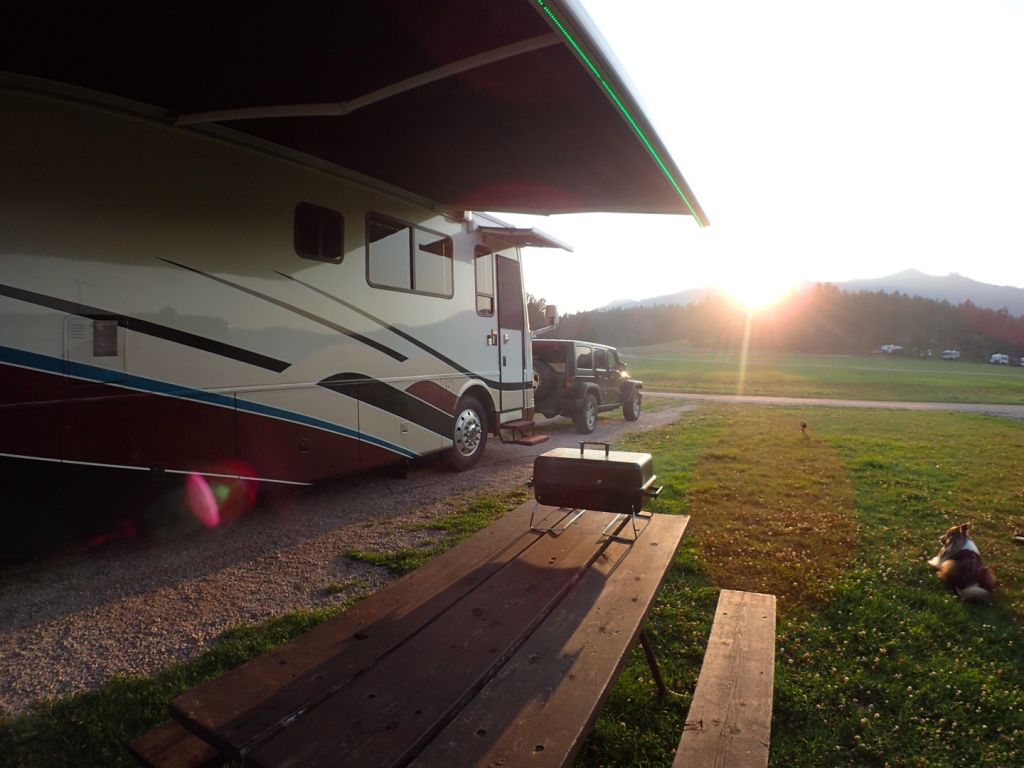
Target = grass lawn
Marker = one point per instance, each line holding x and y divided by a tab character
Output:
678	368
875	663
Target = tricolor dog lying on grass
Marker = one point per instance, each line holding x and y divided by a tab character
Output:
959	566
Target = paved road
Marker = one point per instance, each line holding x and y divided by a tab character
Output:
1009	411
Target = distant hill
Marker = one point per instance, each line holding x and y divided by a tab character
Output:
682	298
954	288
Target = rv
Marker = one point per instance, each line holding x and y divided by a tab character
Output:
244	311
287	292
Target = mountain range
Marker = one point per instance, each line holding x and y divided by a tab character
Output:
953	288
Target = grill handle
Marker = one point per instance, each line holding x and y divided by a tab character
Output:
648	490
607	446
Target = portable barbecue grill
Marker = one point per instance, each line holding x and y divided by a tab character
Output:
603	480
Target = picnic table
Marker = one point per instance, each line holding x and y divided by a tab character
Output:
500	651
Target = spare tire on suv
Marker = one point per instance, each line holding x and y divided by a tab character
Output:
579	379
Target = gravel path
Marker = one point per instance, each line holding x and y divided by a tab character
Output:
1006	411
72	622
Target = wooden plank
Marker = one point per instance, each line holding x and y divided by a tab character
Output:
391	710
249	704
169	745
730	719
539	709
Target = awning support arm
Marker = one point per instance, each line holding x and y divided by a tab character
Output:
334	109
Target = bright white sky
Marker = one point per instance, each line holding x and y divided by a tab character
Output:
825	141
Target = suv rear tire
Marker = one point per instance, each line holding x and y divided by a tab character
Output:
585	419
545	379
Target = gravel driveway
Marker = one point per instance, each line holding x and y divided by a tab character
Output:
69	623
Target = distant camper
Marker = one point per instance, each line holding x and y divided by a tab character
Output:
950	354
892	349
999	359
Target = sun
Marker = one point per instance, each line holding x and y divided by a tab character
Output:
754	292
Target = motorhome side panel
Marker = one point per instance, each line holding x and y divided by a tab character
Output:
155	312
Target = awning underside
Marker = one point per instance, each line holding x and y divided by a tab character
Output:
535	132
523	237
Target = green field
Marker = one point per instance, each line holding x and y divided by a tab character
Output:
678	368
876	664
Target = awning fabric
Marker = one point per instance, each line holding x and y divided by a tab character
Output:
487	105
522	237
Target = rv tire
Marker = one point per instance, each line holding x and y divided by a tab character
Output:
469	435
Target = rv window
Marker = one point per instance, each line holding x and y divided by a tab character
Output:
404	257
319	233
387	254
483	266
432	263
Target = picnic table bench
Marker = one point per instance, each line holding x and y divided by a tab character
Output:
730	717
501	650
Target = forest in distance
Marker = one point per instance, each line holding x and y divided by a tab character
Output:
819	319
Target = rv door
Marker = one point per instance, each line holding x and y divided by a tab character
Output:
511	333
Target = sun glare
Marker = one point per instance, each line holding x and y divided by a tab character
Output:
755	292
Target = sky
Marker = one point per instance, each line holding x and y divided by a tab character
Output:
825	140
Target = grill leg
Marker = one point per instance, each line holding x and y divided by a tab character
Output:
556	531
632	516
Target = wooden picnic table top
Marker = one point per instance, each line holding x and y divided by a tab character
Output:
500	650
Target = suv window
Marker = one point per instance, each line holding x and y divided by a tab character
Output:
613	360
601	359
584	358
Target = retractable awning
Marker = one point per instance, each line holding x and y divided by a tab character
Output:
488	105
522	237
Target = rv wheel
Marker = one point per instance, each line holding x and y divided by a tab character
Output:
469	435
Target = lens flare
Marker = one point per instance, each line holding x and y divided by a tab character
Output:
218	498
201	501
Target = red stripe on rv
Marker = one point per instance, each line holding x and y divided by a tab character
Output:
48	416
433	393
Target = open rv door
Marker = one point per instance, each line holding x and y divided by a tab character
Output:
511	334
513	349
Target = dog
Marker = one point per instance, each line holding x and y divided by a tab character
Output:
959	566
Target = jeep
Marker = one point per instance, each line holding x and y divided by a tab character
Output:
579	379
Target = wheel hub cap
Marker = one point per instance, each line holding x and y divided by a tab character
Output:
468	430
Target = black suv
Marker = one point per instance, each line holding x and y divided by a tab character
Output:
578	379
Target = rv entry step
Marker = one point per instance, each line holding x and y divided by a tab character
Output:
522	433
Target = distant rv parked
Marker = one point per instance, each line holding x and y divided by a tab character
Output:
950	354
892	349
999	359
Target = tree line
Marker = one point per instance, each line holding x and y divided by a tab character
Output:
820	319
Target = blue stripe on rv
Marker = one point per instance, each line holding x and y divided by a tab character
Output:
77	370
